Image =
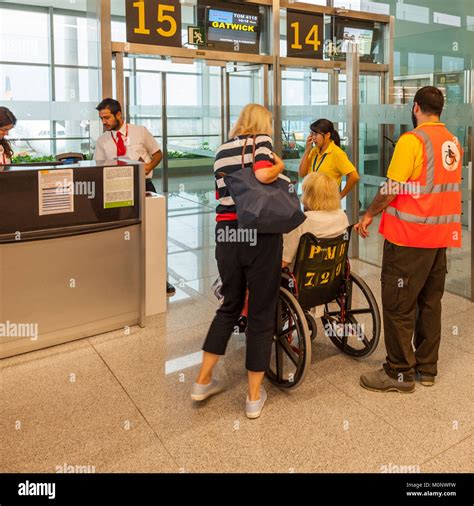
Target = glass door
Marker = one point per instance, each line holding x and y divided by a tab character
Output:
181	105
245	84
306	97
190	108
371	147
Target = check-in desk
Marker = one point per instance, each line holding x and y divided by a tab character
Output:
73	252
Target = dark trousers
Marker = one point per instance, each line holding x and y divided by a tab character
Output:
412	288
256	267
149	186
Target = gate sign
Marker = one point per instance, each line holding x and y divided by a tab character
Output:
156	22
304	34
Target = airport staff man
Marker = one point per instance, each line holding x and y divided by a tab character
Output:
122	139
421	218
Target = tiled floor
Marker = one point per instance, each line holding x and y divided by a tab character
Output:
119	402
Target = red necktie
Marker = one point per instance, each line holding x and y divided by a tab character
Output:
121	149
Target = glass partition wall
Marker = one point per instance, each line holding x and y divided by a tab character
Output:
189	101
195	104
50	76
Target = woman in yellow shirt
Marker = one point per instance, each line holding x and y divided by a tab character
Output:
327	157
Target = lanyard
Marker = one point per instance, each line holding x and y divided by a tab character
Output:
125	138
319	164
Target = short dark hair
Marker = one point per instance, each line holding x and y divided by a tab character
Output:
112	105
430	99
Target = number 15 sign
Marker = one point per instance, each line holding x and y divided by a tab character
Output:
156	22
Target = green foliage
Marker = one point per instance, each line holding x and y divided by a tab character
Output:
32	159
178	155
50	158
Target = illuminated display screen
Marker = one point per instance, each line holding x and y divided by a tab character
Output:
238	29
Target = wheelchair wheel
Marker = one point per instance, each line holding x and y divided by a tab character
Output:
352	321
313	328
291	350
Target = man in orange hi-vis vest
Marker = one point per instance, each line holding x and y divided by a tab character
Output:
421	204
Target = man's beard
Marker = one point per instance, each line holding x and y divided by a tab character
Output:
115	126
413	118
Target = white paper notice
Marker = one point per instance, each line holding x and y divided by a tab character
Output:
55	191
118	187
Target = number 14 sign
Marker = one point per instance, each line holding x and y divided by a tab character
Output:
156	22
304	34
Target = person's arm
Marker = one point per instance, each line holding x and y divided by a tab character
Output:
346	168
400	170
153	149
291	242
304	163
382	200
267	175
155	160
351	180
267	165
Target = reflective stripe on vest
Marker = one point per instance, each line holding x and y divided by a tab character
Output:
430	187
428	215
430	165
442	188
430	220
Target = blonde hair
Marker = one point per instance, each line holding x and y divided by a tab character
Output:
253	119
320	193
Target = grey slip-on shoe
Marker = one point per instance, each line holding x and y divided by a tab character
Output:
253	409
201	392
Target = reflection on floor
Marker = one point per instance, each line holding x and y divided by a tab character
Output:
118	402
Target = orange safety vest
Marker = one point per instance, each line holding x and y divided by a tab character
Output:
430	215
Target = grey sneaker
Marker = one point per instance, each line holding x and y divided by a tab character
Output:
200	392
253	409
427	380
380	381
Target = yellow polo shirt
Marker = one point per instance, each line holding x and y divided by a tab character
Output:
335	164
407	158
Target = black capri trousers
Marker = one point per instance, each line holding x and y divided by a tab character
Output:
255	265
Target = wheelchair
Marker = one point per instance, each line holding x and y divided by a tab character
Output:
351	319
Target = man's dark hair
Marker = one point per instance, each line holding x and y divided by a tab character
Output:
430	99
112	105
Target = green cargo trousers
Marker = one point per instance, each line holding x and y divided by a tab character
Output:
412	288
